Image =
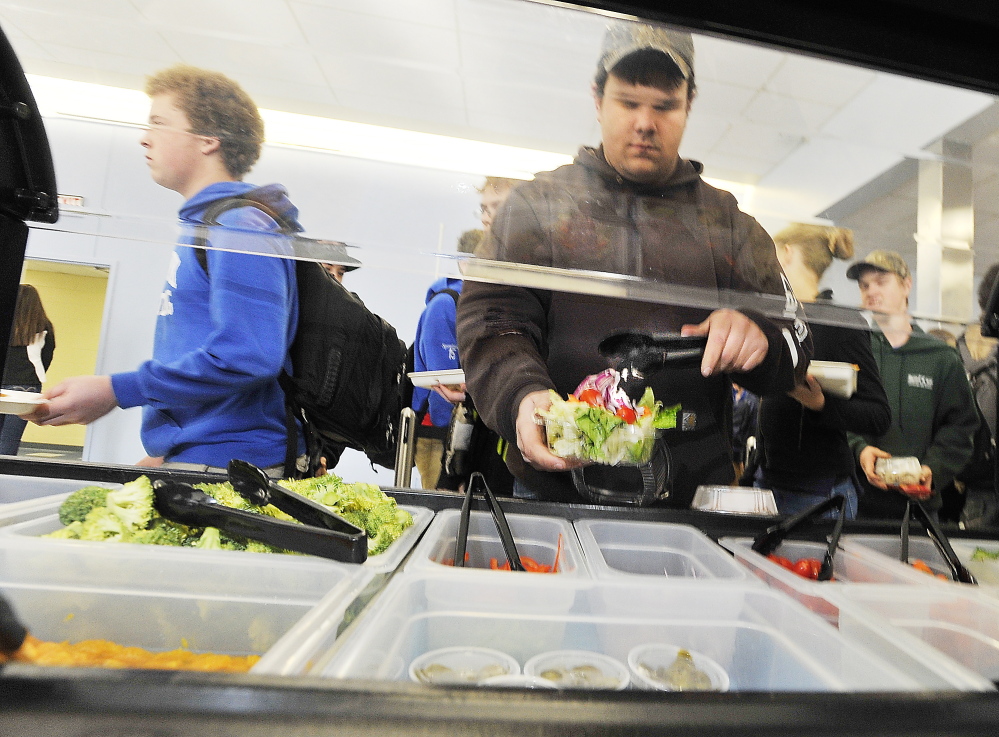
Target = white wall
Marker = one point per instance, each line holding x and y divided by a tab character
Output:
397	215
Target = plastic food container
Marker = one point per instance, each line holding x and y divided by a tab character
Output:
985	571
45	519
579	669
920	548
762	639
536	537
21	496
26	558
735	500
462	665
850	567
958	629
627	445
616	549
898	470
835	377
651	666
155	620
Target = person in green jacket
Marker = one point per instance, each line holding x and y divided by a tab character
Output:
933	409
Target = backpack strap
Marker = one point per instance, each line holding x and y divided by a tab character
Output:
210	219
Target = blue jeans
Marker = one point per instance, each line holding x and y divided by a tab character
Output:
12	426
521	491
793	501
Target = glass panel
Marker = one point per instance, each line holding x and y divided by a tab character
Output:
384	120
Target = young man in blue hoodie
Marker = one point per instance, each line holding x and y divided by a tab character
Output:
210	392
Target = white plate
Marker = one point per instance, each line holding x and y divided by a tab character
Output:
19	403
427	379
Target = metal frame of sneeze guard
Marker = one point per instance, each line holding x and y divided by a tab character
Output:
638	289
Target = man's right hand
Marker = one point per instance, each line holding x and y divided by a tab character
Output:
531	439
868	456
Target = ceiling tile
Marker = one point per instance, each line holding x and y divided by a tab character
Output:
896	113
817	80
490	58
392	79
378	38
244	61
121	10
276	94
24	47
722	100
107	62
533	23
265	22
125	37
734	62
440	13
543	128
717	161
788	114
756	142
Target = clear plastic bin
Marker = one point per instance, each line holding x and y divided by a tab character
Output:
21	495
986	572
849	567
155	620
920	548
26	558
763	640
959	629
536	537
615	549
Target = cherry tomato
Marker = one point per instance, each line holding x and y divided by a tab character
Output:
627	414
591	397
781	561
803	568
921	566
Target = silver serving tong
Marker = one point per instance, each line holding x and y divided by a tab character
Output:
499	518
636	355
321	533
771	538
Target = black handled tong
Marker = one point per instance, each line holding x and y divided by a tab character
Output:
506	537
637	355
957	569
771	538
321	533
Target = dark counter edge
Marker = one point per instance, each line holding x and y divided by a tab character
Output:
37	702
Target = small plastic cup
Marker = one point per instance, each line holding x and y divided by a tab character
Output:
579	669
653	657
462	665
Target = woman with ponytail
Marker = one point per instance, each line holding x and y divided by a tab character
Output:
803	454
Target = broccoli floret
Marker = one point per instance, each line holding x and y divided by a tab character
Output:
69	532
161	532
78	504
209	539
384	525
365	497
226	495
102	524
133	503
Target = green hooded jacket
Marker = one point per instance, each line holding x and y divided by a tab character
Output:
933	413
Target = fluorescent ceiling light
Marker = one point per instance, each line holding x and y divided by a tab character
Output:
68	98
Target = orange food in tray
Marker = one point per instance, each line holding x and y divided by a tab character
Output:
107	654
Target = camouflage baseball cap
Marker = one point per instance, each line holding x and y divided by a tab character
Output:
888	261
627	37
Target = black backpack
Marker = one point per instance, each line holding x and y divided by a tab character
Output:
349	379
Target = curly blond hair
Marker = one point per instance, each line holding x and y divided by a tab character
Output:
217	107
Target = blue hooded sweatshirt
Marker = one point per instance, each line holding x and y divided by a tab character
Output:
436	347
210	392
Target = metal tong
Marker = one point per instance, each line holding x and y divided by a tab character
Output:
321	533
12	632
958	570
770	539
639	354
506	537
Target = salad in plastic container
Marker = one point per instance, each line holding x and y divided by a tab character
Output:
599	422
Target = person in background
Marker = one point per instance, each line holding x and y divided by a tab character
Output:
631	207
978	354
933	411
802	449
210	393
29	355
436	349
745	408
945	335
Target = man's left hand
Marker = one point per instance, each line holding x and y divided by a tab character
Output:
809	394
735	343
78	400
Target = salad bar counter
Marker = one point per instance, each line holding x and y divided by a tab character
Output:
626	621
